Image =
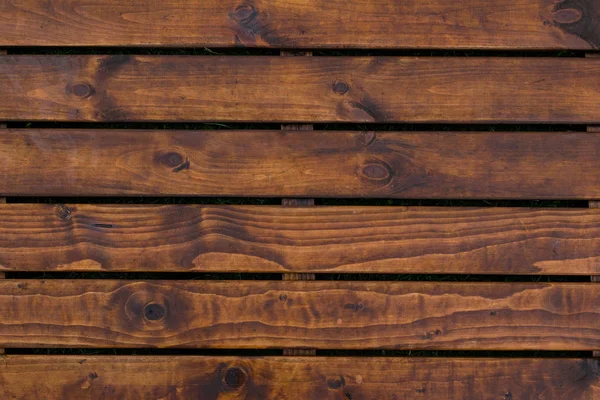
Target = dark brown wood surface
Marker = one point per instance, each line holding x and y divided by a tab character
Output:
276	378
481	24
278	314
483	165
514	241
300	89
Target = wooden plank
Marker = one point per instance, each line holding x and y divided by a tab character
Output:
346	239
415	24
300	314
417	165
298	203
300	89
187	377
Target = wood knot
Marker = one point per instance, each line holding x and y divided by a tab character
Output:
154	312
567	16
234	378
578	17
172	160
82	90
340	87
63	212
336	383
244	13
377	171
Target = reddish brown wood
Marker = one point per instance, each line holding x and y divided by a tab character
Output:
273	239
273	378
416	24
300	314
484	165
300	89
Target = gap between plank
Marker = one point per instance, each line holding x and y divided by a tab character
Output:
2	199
298	203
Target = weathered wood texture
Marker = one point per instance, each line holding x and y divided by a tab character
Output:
173	378
481	24
300	89
484	165
277	314
36	237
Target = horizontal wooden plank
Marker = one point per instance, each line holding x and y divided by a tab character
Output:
186	377
481	24
297	314
480	165
300	89
275	239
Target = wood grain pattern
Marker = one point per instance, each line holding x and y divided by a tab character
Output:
36	237
481	24
300	89
480	165
297	203
299	314
187	377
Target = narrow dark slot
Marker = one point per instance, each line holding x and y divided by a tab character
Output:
276	277
169	200
108	226
278	352
328	127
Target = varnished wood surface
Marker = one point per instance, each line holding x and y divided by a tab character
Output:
192	377
300	89
299	314
481	165
514	241
480	24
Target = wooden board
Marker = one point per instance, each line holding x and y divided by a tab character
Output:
480	24
288	314
300	89
187	377
35	237
230	163
481	165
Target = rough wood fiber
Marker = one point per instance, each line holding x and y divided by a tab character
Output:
515	241
275	378
300	314
483	165
300	89
480	24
